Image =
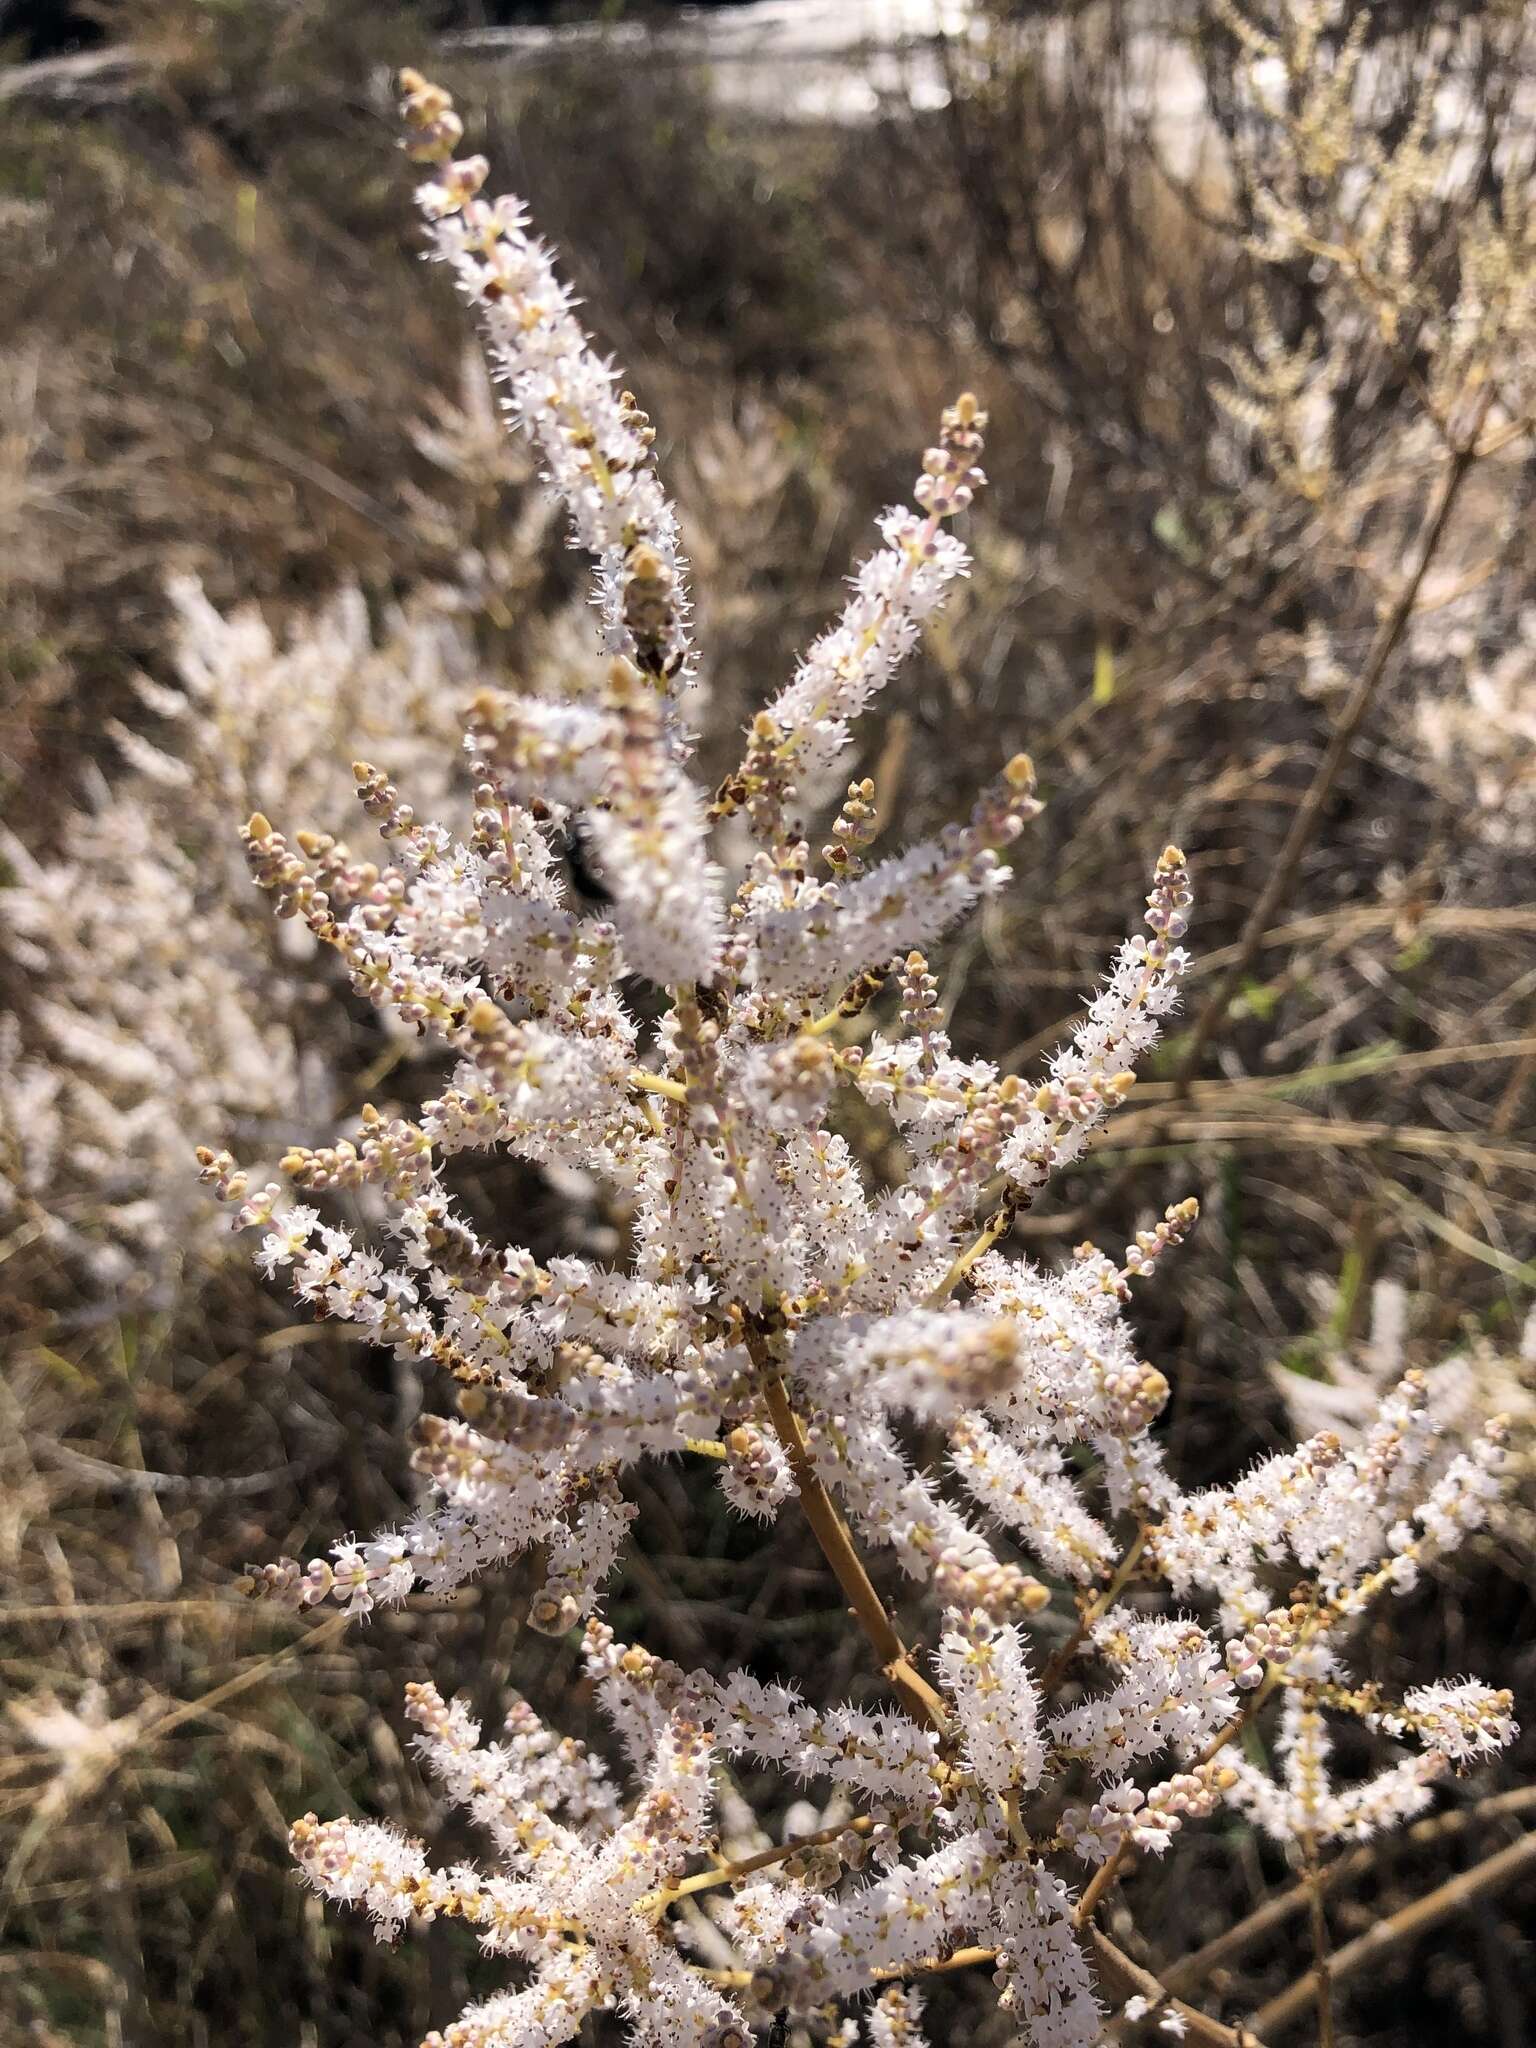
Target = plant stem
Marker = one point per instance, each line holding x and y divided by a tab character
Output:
1117	1969
1109	1870
1504	1868
1192	1970
837	1546
1094	1612
1115	1966
1319	1922
998	1224
655	1903
658	1084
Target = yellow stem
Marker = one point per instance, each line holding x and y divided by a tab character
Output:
822	1025
654	1904
1018	1834
997	1225
658	1084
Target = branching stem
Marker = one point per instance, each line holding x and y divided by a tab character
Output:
654	1904
1282	2012
1094	1613
1110	1869
997	1225
837	1546
1192	1970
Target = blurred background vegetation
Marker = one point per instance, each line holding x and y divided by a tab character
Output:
220	358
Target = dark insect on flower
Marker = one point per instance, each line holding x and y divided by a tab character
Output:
779	2034
585	880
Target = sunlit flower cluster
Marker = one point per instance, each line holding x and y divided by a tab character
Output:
1103	1637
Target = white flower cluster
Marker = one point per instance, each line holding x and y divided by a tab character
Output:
594	440
785	1320
156	1001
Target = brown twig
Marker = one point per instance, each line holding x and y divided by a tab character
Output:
837	1546
1297	1999
1317	1914
1094	1612
1118	1971
744	1866
1192	1970
1122	1975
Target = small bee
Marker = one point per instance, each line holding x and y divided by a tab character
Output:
779	2034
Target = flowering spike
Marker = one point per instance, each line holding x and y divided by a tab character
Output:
821	1342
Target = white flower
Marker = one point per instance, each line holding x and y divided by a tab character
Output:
800	1329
